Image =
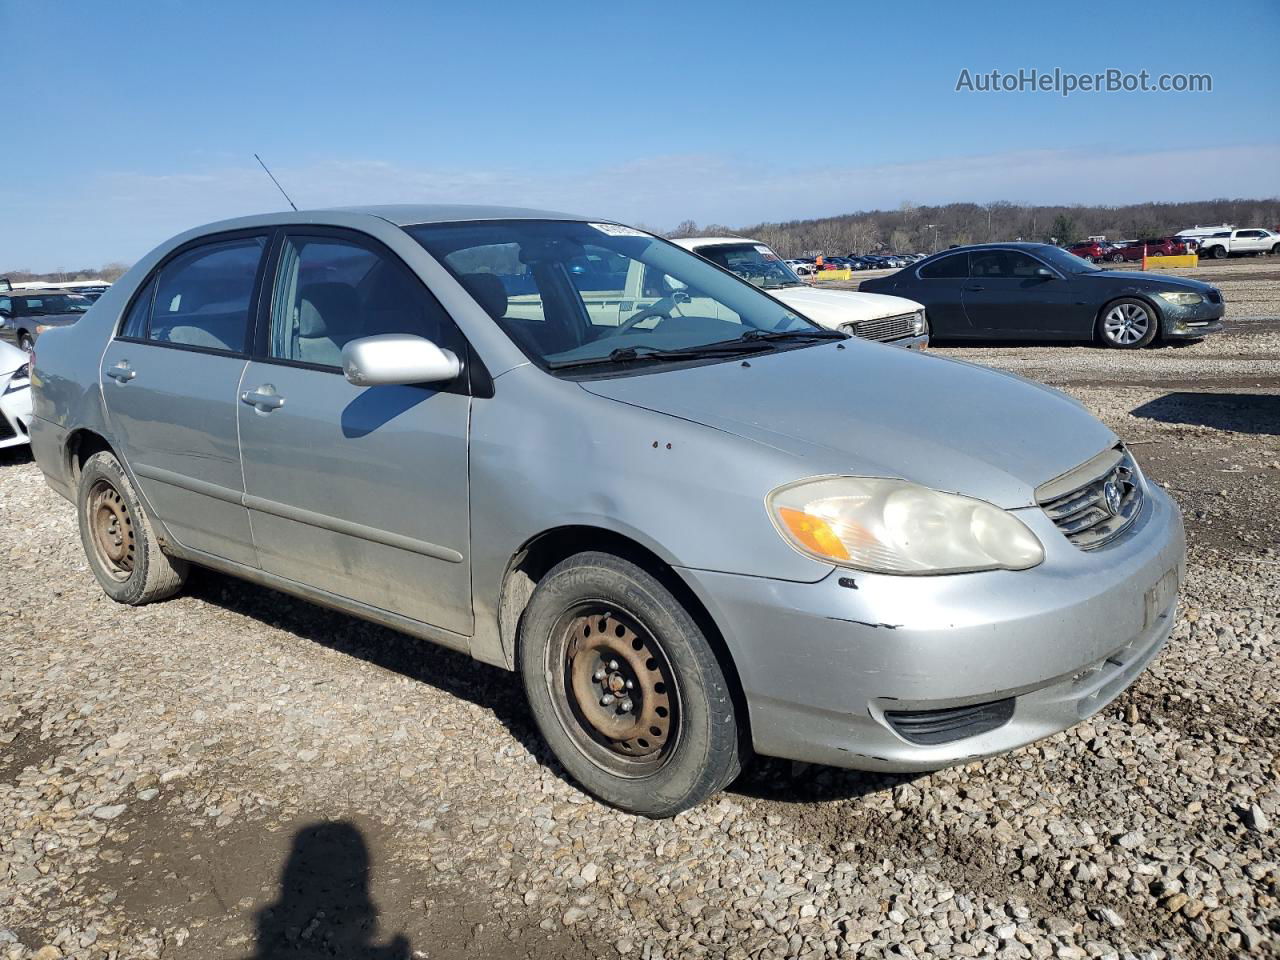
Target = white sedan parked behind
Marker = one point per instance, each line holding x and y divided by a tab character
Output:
15	396
872	316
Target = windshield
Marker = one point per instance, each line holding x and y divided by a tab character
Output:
754	262
1064	261
571	293
51	304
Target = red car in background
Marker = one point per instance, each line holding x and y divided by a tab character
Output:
1154	247
1090	250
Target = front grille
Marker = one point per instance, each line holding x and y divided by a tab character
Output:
931	727
1097	501
886	328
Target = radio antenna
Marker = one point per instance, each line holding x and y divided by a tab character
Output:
275	181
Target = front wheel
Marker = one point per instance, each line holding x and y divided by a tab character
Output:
626	689
26	344
1219	252
1127	324
1117	258
119	543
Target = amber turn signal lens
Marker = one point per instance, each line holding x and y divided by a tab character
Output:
813	532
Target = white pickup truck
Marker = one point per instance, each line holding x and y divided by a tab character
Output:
1235	243
873	316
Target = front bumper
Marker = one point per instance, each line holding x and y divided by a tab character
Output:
911	343
1198	320
15	418
822	664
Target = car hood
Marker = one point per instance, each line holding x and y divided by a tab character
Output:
830	308
1146	281
876	410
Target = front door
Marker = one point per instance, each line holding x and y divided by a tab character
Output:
169	380
358	491
1008	294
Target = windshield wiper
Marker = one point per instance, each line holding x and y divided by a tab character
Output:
820	333
622	355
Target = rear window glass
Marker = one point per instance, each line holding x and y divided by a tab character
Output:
203	296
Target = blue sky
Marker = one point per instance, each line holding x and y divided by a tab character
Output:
133	121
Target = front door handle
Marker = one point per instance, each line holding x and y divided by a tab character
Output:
263	399
122	372
975	287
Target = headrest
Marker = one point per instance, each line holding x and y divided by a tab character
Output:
488	291
327	308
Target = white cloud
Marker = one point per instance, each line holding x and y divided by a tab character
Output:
120	215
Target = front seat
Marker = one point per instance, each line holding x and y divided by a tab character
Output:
328	316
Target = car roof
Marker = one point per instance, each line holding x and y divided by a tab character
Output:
690	242
406	214
1025	245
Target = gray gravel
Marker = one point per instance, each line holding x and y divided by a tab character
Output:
160	767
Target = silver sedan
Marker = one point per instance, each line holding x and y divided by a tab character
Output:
695	522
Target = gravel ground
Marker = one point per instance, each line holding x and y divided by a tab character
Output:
237	774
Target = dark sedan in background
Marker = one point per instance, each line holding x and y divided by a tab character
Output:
1035	291
25	314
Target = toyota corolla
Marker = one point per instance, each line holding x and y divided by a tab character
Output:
697	524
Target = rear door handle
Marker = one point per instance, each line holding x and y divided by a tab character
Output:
121	372
975	287
263	399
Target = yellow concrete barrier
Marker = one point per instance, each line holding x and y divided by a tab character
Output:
1186	260
833	275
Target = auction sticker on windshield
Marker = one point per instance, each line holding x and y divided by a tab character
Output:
617	230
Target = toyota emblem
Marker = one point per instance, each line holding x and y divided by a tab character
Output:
1111	497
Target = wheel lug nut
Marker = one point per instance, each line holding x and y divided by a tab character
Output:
613	664
598	675
607	699
630	684
625	706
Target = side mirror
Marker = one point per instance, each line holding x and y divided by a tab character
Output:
1044	273
401	358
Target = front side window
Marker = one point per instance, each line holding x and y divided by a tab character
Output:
1004	265
330	290
953	267
571	293
203	296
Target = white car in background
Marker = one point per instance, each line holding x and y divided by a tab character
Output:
15	396
872	316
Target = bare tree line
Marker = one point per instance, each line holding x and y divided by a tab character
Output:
916	228
109	272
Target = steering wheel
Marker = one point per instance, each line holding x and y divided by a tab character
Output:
660	308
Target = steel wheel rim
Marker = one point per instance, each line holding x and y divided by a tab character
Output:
111	530
613	689
1126	323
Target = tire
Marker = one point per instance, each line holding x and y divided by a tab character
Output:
118	539
1087	258
625	688
1127	324
1219	252
1117	258
1275	251
26	344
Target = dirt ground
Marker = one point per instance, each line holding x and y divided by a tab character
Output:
236	774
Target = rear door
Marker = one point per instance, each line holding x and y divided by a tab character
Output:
169	380
358	491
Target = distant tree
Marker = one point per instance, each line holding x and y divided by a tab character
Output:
1064	229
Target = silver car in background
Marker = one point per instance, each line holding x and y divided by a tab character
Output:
696	523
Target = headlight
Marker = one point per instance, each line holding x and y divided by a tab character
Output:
1181	299
42	327
21	379
891	526
917	323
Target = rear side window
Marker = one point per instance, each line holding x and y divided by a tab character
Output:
203	296
954	267
135	323
1005	264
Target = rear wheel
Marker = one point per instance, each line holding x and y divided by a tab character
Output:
1127	324
625	687
118	539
